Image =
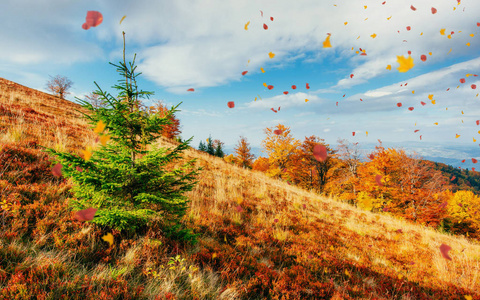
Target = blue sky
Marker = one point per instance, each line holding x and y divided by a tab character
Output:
204	45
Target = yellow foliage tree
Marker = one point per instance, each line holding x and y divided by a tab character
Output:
243	155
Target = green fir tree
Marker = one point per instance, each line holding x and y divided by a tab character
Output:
210	147
202	147
132	188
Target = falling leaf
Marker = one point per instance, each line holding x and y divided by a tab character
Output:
270	87
87	153
399	104
473	86
410	108
320	152
413	7
277	131
261	12
434	10
294	87
408	28
442	31
264	84
86	214
405	63
373	36
457	136
345	23
271	18
261	69
468	44
246	25
444	250
351	75
326	43
108	238
389	67
433	101
423	57
57	170
306	100
271	55
286	92
416	130
104	139
244	72
93	19
462	80
231	104
273	110
474	160
389	18
191	90
307	86
353	133
436	123
100	127
123	18
423	103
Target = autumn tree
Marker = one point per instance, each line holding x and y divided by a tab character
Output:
344	178
218	145
261	164
130	191
95	100
59	85
463	213
243	156
280	147
171	130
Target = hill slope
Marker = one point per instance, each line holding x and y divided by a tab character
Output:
260	238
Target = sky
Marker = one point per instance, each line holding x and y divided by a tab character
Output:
207	46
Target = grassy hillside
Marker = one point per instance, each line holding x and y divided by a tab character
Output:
259	238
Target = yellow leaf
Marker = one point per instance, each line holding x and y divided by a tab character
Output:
261	69
449	51
327	44
405	63
433	101
87	153
389	18
430	53
413	92
468	44
264	84
474	140
462	112
449	36
214	255
306	100
123	18
457	136
389	67
246	25
373	35
436	123
108	238
331	248
430	96
347	273
100	127
366	132
442	31
104	139
271	54
345	23
467	297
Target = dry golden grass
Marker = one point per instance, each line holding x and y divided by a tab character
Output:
365	249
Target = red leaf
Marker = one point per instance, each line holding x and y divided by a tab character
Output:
244	72
337	103
474	160
371	156
473	86
399	104
85	26
351	75
231	104
463	161
384	2
271	18
378	179
353	133
270	87
273	110
265	26
462	80
308	86
277	131
294	87
57	170
423	57
410	108
478	122
191	90
279	108
93	19
453	178
261	13
423	103
408	28
417	130
448	89
434	10
320	152
413	8
86	214
444	250
363	53
285	92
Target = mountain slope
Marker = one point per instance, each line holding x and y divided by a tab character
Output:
259	238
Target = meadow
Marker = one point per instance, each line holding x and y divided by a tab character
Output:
260	238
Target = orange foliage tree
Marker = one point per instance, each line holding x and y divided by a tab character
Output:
281	149
344	177
406	186
172	130
243	156
308	172
261	164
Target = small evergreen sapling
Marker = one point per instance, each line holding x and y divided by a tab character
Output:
131	187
